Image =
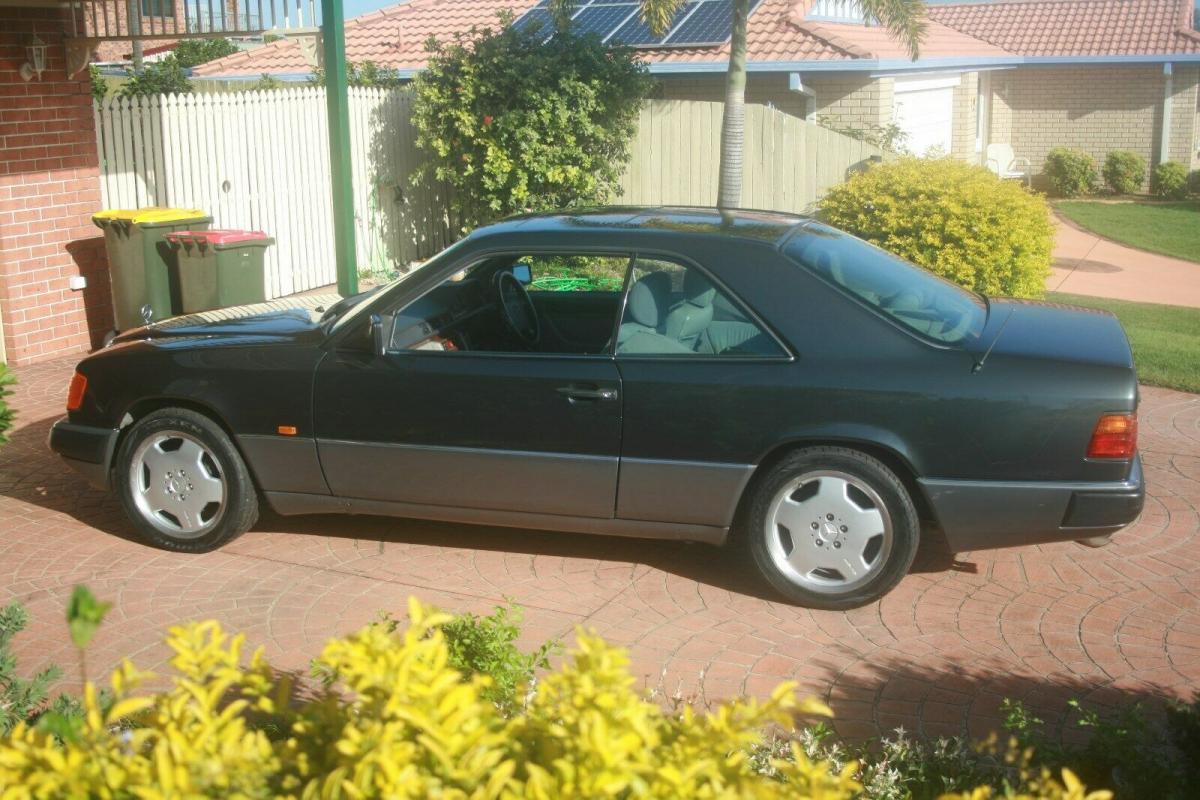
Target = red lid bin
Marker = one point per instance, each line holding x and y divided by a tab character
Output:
220	268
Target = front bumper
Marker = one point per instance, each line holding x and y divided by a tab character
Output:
87	449
978	515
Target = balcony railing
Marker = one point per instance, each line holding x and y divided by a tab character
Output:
123	20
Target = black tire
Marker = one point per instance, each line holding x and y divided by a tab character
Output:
905	525
239	509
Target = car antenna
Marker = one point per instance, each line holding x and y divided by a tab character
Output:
979	364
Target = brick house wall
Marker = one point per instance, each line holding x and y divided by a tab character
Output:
49	187
965	117
761	89
1096	109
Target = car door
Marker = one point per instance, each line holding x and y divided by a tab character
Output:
535	432
704	382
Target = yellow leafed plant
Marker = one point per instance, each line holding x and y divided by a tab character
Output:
398	721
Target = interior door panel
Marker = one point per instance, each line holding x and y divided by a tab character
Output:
576	322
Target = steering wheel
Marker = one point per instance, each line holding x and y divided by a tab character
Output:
517	309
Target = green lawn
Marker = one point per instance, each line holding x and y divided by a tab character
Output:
1172	229
1165	339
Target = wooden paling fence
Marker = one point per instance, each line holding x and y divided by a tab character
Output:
259	160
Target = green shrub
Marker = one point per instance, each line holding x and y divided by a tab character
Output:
1169	180
6	414
1070	172
487	646
1194	182
956	220
1124	171
512	123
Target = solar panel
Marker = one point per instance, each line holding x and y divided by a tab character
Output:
538	18
601	19
698	22
635	32
712	23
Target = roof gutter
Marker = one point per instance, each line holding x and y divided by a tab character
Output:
921	65
890	65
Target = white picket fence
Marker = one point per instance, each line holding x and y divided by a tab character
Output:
260	161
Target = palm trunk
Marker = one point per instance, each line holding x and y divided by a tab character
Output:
733	125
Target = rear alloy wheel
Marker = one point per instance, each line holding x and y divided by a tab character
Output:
831	527
183	483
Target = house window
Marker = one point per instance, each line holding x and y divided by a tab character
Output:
837	11
158	8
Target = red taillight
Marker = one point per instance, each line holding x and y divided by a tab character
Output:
75	393
1115	436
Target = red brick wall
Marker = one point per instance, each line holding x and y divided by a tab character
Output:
49	187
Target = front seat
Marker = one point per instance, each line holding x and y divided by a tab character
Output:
645	317
687	320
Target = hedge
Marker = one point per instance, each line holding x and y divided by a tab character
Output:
957	220
398	721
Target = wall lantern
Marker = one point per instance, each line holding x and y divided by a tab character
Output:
36	53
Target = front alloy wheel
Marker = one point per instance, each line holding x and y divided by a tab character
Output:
183	483
176	484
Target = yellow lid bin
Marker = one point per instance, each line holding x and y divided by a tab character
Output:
141	265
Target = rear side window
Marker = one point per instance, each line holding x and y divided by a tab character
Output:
910	295
674	310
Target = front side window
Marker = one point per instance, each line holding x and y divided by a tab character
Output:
908	294
547	304
675	310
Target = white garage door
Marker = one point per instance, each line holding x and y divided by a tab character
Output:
925	111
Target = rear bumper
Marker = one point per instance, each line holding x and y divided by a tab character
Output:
86	449
978	515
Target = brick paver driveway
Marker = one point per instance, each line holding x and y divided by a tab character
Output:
937	655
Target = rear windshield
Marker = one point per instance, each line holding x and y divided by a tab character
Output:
912	296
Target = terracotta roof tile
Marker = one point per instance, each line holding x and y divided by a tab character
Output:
391	37
395	36
1077	27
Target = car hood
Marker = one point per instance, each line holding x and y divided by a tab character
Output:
1033	329
283	319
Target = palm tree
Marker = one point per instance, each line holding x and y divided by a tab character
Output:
905	19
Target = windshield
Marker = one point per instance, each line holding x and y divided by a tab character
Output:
354	311
912	296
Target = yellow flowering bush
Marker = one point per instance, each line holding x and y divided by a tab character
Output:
397	721
956	220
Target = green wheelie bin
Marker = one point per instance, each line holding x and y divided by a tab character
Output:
220	268
140	262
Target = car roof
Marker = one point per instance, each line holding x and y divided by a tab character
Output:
761	226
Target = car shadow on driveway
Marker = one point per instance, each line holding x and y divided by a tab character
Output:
29	472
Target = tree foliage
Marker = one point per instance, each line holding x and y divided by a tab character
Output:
365	73
511	123
160	77
193	52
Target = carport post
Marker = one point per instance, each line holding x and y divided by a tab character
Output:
337	103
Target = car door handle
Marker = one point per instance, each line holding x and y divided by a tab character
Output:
577	393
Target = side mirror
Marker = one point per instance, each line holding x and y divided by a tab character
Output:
382	326
523	274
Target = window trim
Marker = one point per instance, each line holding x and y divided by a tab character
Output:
788	355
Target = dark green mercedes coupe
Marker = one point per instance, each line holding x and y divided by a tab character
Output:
752	379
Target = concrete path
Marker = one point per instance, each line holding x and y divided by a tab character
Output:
1043	624
1084	263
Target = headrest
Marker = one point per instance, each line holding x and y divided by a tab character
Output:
697	289
648	298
